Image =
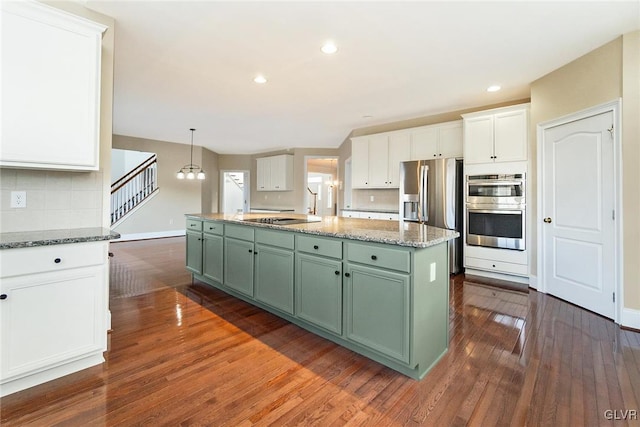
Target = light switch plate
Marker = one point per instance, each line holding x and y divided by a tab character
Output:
432	274
18	199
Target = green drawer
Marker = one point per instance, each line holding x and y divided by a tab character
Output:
319	246
211	227
194	224
239	232
275	238
378	256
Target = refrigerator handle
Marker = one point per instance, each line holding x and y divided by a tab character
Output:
424	181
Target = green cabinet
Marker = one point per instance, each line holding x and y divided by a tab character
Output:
212	257
274	277
238	265
378	310
274	269
319	291
212	250
194	251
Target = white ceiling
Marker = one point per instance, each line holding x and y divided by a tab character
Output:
182	64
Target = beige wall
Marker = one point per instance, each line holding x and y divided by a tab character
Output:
630	167
210	186
165	211
64	200
605	74
277	199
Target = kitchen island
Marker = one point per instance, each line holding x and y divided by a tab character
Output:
379	288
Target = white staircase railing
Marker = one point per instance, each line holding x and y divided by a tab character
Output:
133	188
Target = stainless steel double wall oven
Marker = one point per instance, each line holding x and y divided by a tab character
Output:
496	211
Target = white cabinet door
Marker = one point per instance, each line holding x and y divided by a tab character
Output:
50	318
424	143
478	140
263	175
281	172
378	161
399	149
450	140
510	136
360	163
50	88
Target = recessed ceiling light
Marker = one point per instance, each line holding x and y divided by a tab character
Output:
329	48
493	88
260	79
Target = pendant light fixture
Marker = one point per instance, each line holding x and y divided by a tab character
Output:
187	171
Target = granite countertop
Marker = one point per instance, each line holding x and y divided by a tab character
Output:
26	239
397	233
393	211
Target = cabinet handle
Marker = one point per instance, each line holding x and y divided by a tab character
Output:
57	260
435	155
347	275
337	272
373	257
3	296
493	265
255	253
316	247
440	154
250	250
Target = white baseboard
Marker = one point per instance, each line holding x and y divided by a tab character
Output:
533	281
151	235
630	318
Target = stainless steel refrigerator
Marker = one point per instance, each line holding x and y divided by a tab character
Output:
431	193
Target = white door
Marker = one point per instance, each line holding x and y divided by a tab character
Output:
577	221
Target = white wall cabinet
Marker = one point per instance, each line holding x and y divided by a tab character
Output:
499	135
376	159
439	141
53	312
275	173
50	88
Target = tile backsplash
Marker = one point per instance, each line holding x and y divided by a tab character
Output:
55	200
382	199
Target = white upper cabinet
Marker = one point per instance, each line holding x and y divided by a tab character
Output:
275	173
50	88
499	135
439	141
376	159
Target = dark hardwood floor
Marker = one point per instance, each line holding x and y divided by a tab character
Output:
187	354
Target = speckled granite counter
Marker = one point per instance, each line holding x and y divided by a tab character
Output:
27	239
368	230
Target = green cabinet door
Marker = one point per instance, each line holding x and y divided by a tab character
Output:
194	252
238	265
319	291
212	256
378	310
274	277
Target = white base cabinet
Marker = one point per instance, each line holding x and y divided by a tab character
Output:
53	312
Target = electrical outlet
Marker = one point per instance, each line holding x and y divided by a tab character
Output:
18	199
372	198
432	272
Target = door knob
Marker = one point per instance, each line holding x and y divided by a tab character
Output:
547	220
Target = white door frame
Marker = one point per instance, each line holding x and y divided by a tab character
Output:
616	108
247	187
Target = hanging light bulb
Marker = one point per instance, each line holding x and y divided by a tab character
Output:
188	169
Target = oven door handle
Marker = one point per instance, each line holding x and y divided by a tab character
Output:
494	183
516	211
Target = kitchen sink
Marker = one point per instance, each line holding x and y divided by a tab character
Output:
282	221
